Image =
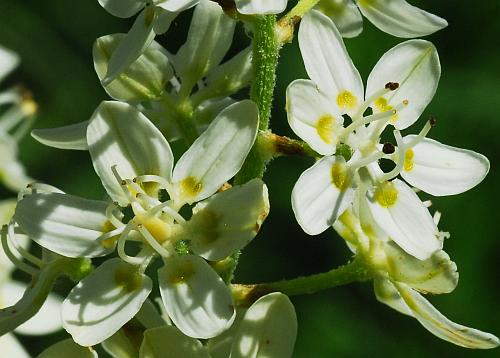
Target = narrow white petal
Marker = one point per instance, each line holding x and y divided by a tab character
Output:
170	342
144	79
268	329
345	15
104	301
119	345
115	136
133	45
398	18
122	8
163	21
402	215
11	347
313	117
13	175
73	136
195	297
68	348
47	320
218	154
438	274
65	224
318	198
327	62
260	7
388	294
226	222
8	62
176	5
415	66
210	36
441	326
439	169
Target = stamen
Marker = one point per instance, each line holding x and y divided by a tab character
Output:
437	217
381	125
111	233
364	106
11	235
165	207
366	160
401	158
427	203
430	123
152	242
111	216
18	263
120	249
366	120
123	184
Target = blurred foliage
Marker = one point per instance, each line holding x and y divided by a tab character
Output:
54	39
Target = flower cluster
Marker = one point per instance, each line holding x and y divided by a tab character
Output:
153	261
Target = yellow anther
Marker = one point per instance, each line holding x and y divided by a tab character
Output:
346	100
409	155
325	127
340	176
386	194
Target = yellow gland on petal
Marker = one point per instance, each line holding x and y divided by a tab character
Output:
340	176
325	127
383	106
409	155
109	242
346	100
386	194
159	229
128	278
190	187
181	273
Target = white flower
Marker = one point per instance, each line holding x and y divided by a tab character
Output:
135	163
192	86
155	18
14	122
396	17
399	88
261	7
399	280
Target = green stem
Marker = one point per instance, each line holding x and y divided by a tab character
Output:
265	60
354	271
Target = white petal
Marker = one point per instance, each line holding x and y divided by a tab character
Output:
210	36
207	111
413	64
226	222
195	297
116	136
345	15
73	136
13	175
170	342
122	8
402	215
47	320
144	79
229	77
68	348
261	7
439	169
104	301
163	21
387	293
268	329
133	45
11	347
313	117
65	224
327	62
441	326
7	208
8	61
398	18
438	274
218	154
119	345
176	5
317	200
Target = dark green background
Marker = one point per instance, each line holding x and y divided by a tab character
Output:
54	39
